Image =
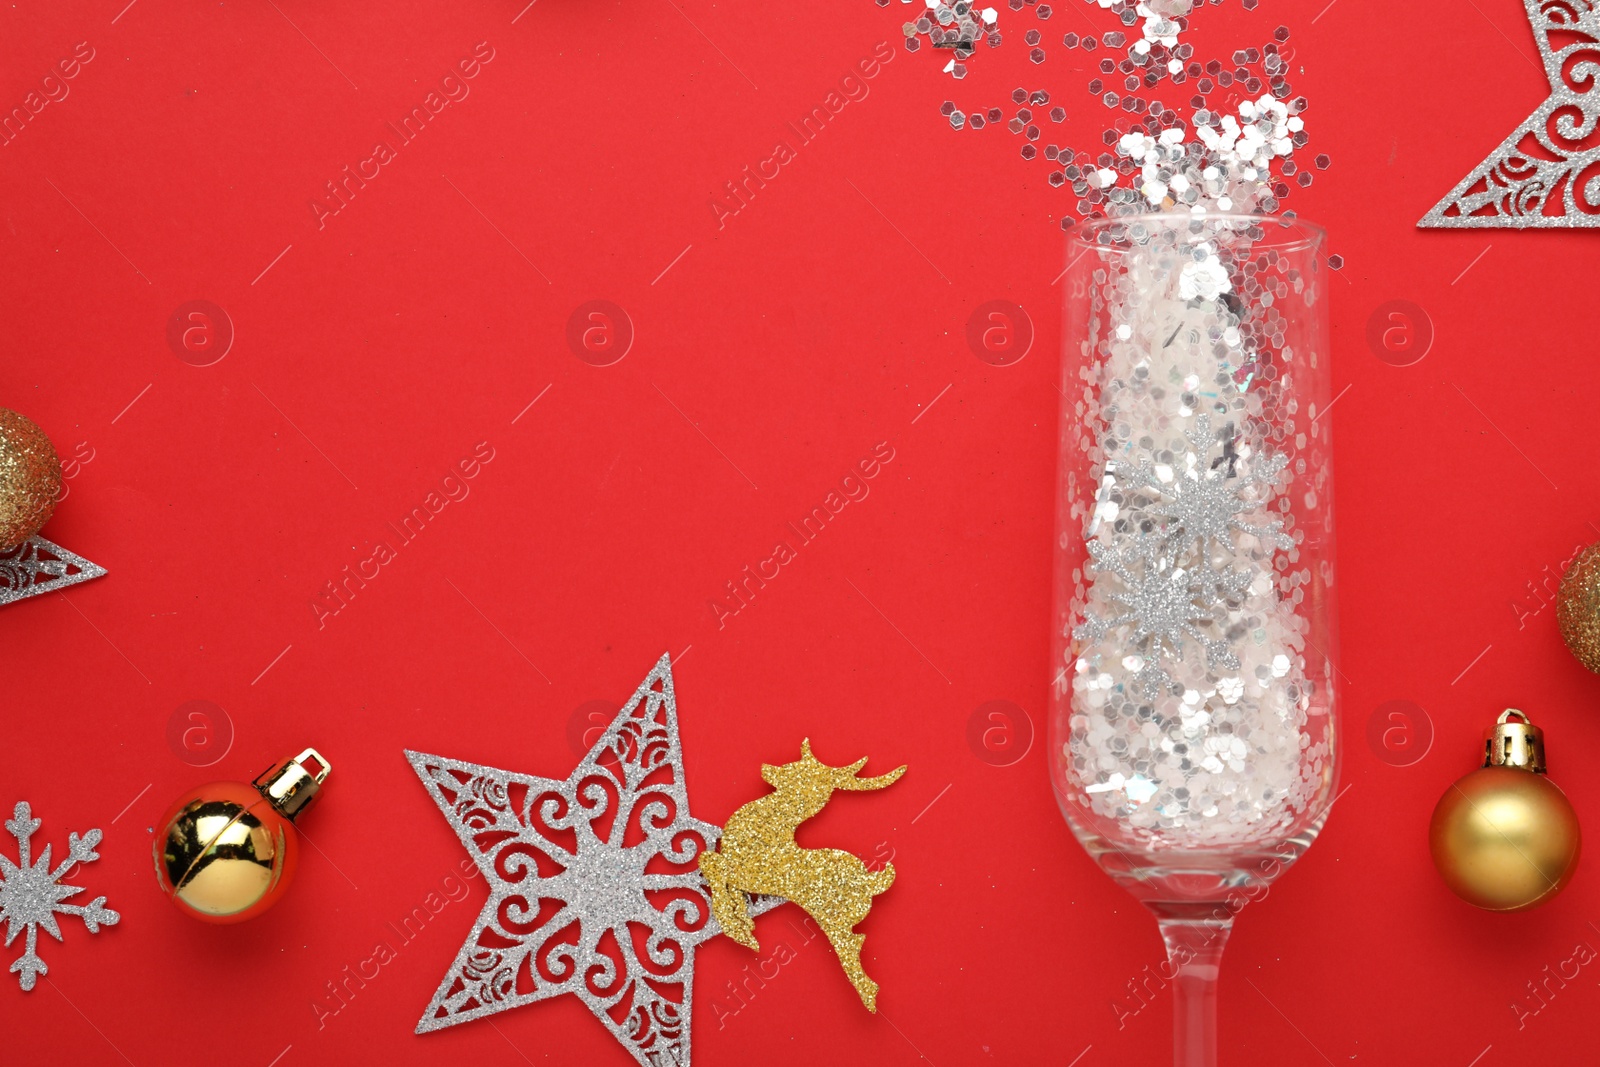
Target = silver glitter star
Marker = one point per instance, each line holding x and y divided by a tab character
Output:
1163	603
1203	504
39	566
594	884
31	893
1540	176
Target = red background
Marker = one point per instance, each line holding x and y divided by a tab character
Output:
769	357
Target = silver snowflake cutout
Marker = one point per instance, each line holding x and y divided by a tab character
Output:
594	883
1164	604
1203	505
31	892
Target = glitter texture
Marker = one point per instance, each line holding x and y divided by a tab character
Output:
1578	608
40	566
1543	174
1214	148
593	884
1200	707
1200	703
758	854
954	28
31	893
30	479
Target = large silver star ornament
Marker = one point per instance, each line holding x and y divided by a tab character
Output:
1547	173
594	883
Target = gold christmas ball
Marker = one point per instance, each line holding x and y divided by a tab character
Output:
1505	837
227	851
30	479
223	854
1578	608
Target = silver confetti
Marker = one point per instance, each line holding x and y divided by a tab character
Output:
594	884
31	893
1220	154
1198	702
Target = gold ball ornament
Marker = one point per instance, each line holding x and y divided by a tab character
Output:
1505	837
30	479
1578	608
227	851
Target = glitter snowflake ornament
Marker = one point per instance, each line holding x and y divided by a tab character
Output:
594	888
1162	604
31	893
1204	502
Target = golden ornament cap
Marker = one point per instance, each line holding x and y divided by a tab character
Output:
1518	744
290	785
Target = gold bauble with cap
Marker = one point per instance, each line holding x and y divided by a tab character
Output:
1505	837
227	851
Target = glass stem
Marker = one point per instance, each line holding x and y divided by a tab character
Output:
1194	954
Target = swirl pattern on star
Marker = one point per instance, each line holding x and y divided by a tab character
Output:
594	882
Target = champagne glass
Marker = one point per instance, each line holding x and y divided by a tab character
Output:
1193	743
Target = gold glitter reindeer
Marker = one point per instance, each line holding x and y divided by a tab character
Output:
758	854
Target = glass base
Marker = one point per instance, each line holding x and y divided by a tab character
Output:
1195	895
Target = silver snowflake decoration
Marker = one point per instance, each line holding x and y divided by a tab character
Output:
1164	604
1203	505
31	892
594	883
40	566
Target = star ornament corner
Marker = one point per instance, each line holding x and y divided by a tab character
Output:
1546	174
594	885
40	566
